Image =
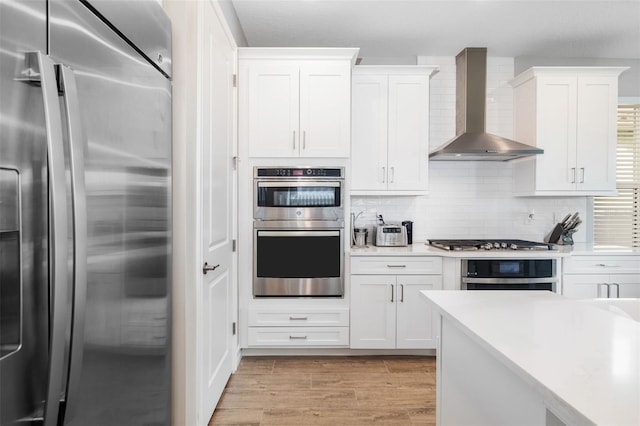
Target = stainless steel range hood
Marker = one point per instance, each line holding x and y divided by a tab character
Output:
472	142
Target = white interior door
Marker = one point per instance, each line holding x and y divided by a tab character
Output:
215	355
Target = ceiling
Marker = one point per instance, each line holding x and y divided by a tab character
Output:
407	28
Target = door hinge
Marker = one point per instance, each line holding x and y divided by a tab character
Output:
233	245
235	80
234	161
233	328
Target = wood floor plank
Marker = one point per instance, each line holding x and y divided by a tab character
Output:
330	364
283	416
399	398
356	417
409	364
291	398
255	365
240	416
371	380
423	416
270	381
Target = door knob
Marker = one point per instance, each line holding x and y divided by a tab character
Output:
206	268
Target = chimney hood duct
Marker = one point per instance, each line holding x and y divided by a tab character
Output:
472	142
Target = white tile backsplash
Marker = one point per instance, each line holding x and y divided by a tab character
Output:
472	199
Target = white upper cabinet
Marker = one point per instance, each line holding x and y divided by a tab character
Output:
570	112
295	102
390	130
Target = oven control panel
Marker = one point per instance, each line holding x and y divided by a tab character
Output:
299	172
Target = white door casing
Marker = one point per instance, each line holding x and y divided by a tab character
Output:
217	137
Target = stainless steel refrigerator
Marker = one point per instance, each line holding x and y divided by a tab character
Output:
85	212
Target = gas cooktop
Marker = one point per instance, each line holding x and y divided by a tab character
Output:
497	244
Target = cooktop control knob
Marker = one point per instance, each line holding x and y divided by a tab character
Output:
514	247
503	245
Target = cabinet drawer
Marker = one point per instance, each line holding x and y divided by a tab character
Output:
396	265
298	336
602	264
299	317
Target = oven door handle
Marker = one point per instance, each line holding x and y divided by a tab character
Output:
469	280
288	183
298	233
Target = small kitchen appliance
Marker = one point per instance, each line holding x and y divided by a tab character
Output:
391	235
409	225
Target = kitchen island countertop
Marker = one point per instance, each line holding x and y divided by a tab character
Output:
583	361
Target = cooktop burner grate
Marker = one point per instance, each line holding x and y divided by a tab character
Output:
489	244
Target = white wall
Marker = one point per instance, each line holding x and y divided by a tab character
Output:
231	17
469	199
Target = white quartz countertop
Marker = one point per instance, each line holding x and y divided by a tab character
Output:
581	359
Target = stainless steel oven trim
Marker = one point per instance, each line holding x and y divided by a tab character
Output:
553	279
298	287
509	280
292	225
277	183
299	233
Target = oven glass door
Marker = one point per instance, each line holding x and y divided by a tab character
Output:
298	194
299	262
297	200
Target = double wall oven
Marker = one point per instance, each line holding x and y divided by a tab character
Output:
298	241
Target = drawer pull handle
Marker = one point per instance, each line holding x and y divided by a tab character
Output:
298	318
297	337
396	266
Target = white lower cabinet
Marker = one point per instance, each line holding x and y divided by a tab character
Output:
298	336
279	326
591	286
589	277
386	309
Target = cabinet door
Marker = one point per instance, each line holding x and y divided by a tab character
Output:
629	285
273	112
556	133
408	149
325	109
584	286
373	312
414	319
596	133
369	133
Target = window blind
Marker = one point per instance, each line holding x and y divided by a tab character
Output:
617	218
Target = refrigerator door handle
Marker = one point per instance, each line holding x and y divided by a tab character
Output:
79	214
58	232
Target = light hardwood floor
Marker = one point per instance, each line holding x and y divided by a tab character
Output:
398	390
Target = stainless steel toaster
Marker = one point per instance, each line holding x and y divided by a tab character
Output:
391	235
